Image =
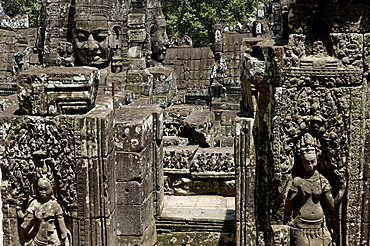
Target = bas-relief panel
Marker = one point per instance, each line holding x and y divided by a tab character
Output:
38	178
325	114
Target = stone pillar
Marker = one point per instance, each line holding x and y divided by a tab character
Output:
139	80
72	154
1	215
53	33
138	136
245	163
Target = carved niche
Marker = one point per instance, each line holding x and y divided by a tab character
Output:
310	201
324	115
338	51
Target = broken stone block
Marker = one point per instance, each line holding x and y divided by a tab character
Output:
57	90
175	141
139	81
123	98
178	113
134	128
198	127
164	85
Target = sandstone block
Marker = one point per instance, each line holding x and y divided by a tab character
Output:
137	35
133	165
56	90
134	128
134	192
134	219
136	20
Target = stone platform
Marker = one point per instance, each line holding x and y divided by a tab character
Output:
197	220
205	208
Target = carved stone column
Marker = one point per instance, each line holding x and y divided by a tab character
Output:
245	162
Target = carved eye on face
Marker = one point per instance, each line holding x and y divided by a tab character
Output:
82	36
100	36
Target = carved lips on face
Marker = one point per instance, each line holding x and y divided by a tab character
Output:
91	42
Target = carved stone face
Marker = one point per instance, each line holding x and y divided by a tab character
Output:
309	160
45	190
159	40
91	42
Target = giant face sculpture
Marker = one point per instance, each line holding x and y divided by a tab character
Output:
159	39
91	41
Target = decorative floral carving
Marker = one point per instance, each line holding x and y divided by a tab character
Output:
36	147
177	159
303	77
324	111
214	162
348	49
199	161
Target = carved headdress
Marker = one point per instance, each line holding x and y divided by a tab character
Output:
308	143
90	9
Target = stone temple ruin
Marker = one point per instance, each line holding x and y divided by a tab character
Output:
111	133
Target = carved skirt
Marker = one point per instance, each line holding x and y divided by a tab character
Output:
310	237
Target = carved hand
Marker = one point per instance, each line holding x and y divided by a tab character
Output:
67	238
343	181
20	213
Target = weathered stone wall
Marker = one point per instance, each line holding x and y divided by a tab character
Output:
192	66
227	70
16	42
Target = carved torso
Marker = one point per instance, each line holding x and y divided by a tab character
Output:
45	215
309	191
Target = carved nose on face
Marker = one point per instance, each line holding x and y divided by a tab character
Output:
91	43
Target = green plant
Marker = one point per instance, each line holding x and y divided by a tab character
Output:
21	7
196	18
